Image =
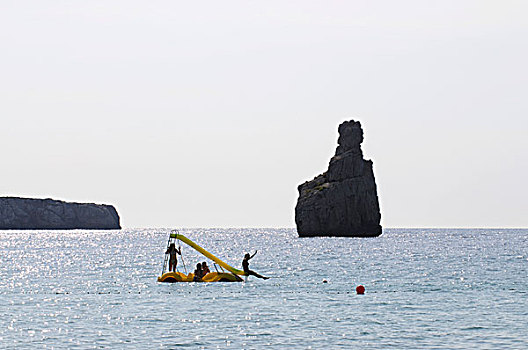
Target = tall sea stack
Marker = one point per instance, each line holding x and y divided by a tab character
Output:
48	214
343	201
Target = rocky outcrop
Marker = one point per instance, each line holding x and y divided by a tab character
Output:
343	201
35	214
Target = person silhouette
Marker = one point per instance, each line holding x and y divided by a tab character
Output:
205	269
245	266
198	273
173	260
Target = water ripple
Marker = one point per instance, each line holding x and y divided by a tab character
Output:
426	288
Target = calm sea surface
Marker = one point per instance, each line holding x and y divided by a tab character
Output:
425	289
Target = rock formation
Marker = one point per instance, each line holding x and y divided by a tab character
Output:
342	201
35	214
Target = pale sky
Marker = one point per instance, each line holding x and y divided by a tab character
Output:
211	113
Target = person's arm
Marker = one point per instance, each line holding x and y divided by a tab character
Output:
178	250
253	254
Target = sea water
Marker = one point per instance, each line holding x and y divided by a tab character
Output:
425	289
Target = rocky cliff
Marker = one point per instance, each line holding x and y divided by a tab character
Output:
343	201
34	214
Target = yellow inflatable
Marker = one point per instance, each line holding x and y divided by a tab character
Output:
176	276
210	277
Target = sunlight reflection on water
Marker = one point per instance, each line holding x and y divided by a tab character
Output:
425	289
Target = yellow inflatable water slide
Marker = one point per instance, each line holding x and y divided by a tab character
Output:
232	274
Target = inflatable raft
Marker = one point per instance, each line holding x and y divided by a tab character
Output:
210	277
232	274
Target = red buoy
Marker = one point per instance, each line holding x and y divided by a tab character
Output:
360	289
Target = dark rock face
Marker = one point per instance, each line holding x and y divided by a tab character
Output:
343	201
36	214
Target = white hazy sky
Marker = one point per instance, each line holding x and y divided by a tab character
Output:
210	113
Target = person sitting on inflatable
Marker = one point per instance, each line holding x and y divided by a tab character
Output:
245	266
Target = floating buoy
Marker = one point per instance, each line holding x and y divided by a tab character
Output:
360	289
325	281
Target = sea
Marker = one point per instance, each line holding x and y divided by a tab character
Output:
424	289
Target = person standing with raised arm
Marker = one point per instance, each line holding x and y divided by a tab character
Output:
173	260
245	266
